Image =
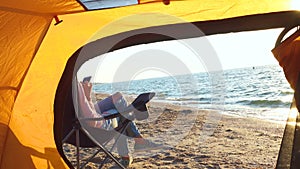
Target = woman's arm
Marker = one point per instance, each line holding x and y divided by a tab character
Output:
86	105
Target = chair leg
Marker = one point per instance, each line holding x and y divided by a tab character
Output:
110	155
67	136
102	148
113	146
90	158
77	149
76	130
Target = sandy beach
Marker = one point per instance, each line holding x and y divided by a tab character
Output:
195	138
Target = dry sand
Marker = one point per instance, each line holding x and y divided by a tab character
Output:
202	139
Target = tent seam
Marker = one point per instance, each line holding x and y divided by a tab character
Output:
34	53
21	82
82	5
40	13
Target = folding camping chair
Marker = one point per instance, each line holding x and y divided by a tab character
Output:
78	134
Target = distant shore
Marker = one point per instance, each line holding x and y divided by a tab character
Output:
204	139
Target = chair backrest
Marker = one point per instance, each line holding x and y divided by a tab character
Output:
86	133
71	122
65	120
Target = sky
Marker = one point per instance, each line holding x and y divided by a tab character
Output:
246	49
233	50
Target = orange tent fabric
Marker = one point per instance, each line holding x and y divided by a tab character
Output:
287	54
34	52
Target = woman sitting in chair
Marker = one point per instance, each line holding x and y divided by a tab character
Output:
109	105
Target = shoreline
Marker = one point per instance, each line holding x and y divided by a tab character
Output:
204	139
223	112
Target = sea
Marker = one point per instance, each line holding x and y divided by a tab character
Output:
260	92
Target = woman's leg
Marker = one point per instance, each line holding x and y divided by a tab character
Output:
118	102
122	146
131	131
115	101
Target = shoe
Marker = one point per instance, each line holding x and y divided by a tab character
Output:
126	162
146	145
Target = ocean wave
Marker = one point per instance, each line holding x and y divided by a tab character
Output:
264	103
199	100
287	92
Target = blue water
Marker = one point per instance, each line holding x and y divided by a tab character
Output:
260	92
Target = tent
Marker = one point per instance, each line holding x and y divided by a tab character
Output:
39	37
